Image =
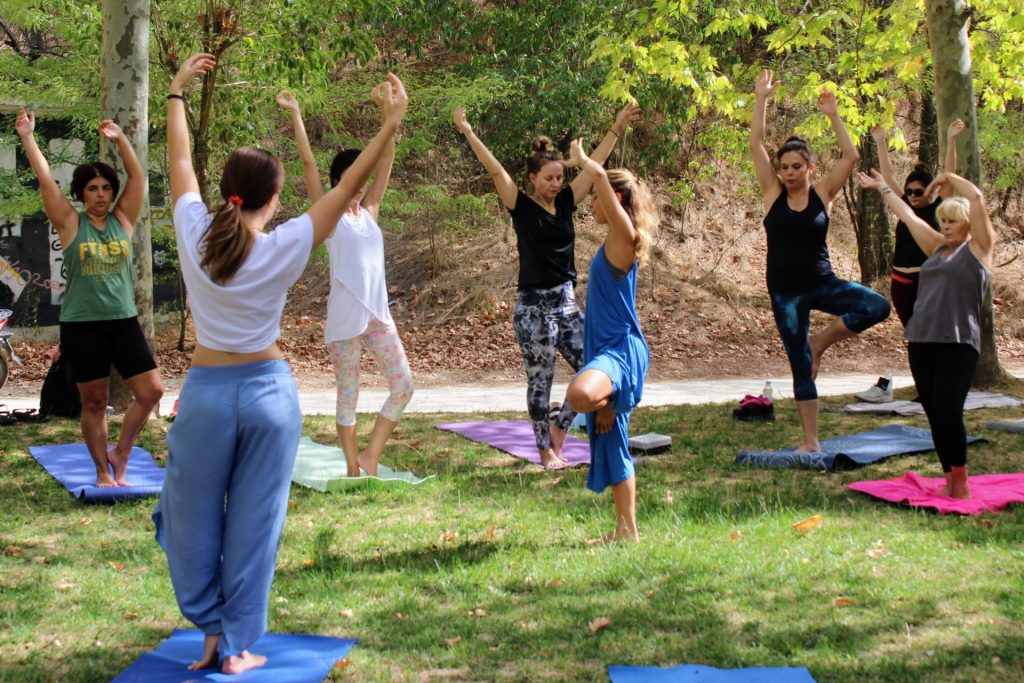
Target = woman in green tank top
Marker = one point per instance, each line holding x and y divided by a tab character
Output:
98	323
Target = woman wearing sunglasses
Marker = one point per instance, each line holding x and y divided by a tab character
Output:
799	271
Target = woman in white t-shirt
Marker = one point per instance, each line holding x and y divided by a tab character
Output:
233	444
357	309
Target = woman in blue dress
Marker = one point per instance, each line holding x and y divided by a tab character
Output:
615	353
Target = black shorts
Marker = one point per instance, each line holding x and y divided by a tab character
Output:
92	347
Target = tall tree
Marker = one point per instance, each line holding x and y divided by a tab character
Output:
954	98
125	99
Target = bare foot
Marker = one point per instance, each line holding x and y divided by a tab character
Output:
240	663
961	492
368	464
557	440
120	465
809	446
551	461
946	491
615	537
209	654
104	480
816	353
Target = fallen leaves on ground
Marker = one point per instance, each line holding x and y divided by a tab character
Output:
600	623
805	525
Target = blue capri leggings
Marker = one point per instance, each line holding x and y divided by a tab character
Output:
857	306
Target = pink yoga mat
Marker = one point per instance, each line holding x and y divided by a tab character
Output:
516	438
989	492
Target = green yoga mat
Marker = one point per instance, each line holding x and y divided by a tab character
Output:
323	468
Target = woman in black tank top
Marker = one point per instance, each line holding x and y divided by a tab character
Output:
800	277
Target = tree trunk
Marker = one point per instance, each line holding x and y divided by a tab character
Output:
125	99
928	139
874	240
954	98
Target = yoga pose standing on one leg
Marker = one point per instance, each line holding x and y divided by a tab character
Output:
800	277
944	333
99	324
547	320
233	444
357	309
907	257
611	383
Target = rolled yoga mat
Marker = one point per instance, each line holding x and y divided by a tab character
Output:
697	673
515	437
72	466
290	659
323	468
850	452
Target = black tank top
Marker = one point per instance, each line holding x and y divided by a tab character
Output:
797	253
906	253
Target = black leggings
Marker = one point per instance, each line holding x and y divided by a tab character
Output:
942	374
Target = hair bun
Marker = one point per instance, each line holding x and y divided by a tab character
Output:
922	167
797	138
542	143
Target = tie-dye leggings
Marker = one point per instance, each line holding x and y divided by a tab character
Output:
547	322
382	340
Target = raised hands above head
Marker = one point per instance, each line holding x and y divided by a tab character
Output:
879	134
874	181
198	64
460	121
764	86
287	100
110	130
627	115
577	157
955	129
827	102
25	124
391	98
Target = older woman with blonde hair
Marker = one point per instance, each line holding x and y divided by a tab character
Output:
944	333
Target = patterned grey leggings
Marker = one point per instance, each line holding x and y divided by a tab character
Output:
547	322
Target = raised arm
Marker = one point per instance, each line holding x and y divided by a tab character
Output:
179	154
983	235
840	173
58	208
764	86
393	101
314	186
503	183
381	175
582	183
881	139
954	130
620	244
926	238
129	205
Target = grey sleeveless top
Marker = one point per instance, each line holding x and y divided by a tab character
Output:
949	295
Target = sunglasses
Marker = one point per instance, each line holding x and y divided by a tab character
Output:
913	192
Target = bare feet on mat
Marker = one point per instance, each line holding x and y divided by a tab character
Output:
209	654
240	663
120	465
615	537
809	447
817	351
551	461
368	464
104	480
557	440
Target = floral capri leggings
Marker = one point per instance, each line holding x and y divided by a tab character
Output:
381	339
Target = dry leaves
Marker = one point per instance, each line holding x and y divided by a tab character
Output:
342	663
478	612
116	566
449	536
64	585
452	642
489	535
599	623
401	617
844	602
805	525
347	613
85	521
735	535
308	562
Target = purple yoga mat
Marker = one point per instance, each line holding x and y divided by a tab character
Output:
516	437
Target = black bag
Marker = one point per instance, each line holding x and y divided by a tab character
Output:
60	393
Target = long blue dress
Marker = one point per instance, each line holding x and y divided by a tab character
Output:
614	345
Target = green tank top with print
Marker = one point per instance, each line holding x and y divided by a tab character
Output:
99	277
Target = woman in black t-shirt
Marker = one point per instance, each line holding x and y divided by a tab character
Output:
800	277
547	320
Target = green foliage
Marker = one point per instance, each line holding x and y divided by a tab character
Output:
451	216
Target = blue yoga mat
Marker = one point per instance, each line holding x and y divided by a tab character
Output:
850	452
696	673
72	466
290	659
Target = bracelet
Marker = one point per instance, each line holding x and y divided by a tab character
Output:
612	131
175	96
885	189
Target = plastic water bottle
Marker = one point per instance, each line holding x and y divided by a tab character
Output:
767	391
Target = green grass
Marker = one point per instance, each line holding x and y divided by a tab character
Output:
482	573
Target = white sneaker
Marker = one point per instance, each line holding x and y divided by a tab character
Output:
880	392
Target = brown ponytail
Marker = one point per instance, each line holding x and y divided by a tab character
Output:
251	177
639	206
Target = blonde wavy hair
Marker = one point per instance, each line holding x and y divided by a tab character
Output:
955	208
639	205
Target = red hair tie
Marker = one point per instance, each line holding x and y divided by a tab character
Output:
235	199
